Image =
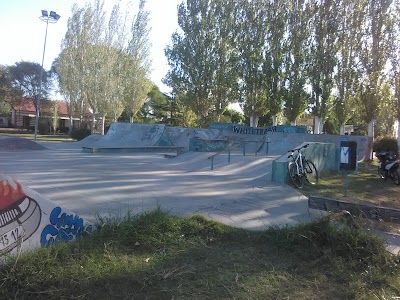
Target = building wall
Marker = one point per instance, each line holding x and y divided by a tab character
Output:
17	120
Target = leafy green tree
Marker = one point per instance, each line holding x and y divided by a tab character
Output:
159	104
101	66
25	78
395	63
225	75
234	116
348	74
6	87
296	98
253	31
374	53
138	63
7	92
190	56
322	57
387	113
273	65
70	64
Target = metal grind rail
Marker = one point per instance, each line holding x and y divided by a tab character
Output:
228	148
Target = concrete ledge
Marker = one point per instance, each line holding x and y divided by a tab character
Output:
358	209
323	155
176	149
280	170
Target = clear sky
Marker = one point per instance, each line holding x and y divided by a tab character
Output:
22	33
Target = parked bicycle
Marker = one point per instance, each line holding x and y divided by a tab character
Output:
301	168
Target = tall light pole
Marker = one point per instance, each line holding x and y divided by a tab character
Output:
52	18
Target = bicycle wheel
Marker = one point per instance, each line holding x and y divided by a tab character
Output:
310	172
381	171
294	176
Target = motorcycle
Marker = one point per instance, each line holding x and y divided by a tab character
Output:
389	167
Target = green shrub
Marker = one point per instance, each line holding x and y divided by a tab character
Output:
43	128
80	133
385	144
63	130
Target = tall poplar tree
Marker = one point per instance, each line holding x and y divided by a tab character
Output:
101	67
224	56
253	20
190	57
138	63
322	57
273	65
296	98
347	77
374	54
395	62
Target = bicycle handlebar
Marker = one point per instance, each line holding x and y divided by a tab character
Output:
298	149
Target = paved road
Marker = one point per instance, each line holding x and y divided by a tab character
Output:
239	194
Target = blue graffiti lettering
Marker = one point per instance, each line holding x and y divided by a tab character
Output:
250	130
62	227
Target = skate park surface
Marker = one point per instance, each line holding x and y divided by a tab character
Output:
239	194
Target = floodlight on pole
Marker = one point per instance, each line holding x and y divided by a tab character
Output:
52	18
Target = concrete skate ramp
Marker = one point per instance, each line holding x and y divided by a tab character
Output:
90	140
179	136
18	144
130	135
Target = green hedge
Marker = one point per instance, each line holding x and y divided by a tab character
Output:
80	133
386	144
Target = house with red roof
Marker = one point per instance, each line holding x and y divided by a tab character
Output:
52	114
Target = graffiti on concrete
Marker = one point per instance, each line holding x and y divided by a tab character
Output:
154	132
200	145
20	215
252	130
63	227
237	128
196	144
263	131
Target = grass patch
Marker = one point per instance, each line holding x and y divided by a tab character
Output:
366	186
40	138
157	256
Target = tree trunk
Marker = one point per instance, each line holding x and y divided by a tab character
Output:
92	124
103	123
131	118
370	141
293	123
71	125
317	125
274	120
254	120
341	129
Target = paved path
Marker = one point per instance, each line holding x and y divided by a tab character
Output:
239	194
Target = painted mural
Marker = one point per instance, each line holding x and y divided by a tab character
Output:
63	227
200	145
29	220
20	215
238	128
